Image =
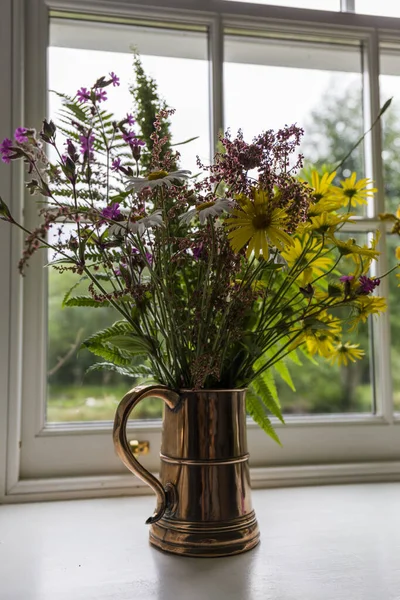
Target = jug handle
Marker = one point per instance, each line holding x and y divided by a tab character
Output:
165	495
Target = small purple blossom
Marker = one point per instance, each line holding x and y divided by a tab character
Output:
368	285
118	271
64	158
5	150
197	252
130	119
346	278
86	143
149	258
111	212
20	135
83	95
101	95
129	137
114	78
116	164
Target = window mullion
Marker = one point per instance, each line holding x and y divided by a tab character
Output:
216	57
374	169
347	6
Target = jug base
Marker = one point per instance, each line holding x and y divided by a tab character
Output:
206	539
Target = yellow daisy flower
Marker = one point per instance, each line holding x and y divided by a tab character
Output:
319	335
350	248
366	306
324	205
343	353
321	186
317	265
326	223
258	225
355	192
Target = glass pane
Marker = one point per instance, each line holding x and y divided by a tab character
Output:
325	388
383	8
315	4
394	303
318	86
390	88
79	53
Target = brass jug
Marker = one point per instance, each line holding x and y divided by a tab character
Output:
204	497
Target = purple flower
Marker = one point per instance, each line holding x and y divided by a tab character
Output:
116	163
5	150
86	143
114	79
149	258
368	285
197	252
83	95
129	137
346	278
118	271
112	212
64	158
20	135
130	119
101	95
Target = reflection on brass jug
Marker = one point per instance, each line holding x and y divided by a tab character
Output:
204	497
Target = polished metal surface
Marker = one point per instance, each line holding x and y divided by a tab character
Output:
205	506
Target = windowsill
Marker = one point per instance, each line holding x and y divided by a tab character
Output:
317	543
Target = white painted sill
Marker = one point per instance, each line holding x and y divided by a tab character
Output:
317	543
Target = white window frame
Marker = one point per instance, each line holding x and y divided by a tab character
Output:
64	461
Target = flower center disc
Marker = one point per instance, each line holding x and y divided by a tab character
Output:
157	175
261	221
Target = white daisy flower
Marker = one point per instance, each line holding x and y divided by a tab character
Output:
139	226
155	179
208	209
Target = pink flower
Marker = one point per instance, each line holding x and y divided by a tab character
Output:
114	78
83	95
20	135
101	95
5	150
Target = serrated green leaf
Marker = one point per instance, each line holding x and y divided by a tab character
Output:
264	393
110	354
133	372
117	328
258	412
283	371
130	343
86	301
68	294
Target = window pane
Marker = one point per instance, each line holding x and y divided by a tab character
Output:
383	8
318	86
325	388
394	303
79	53
316	4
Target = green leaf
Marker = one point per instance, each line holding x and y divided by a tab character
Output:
133	372
258	412
68	294
186	141
86	301
110	354
117	328
283	371
5	214
264	393
131	343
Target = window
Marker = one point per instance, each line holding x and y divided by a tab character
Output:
253	73
314	4
384	8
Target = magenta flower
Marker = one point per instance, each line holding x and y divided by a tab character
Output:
116	163
5	150
198	252
101	95
114	78
20	135
86	143
149	258
368	285
346	278
112	212
83	95
129	137
130	119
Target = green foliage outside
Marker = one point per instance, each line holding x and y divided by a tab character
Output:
331	131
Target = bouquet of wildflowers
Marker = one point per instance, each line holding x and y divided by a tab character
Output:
216	279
